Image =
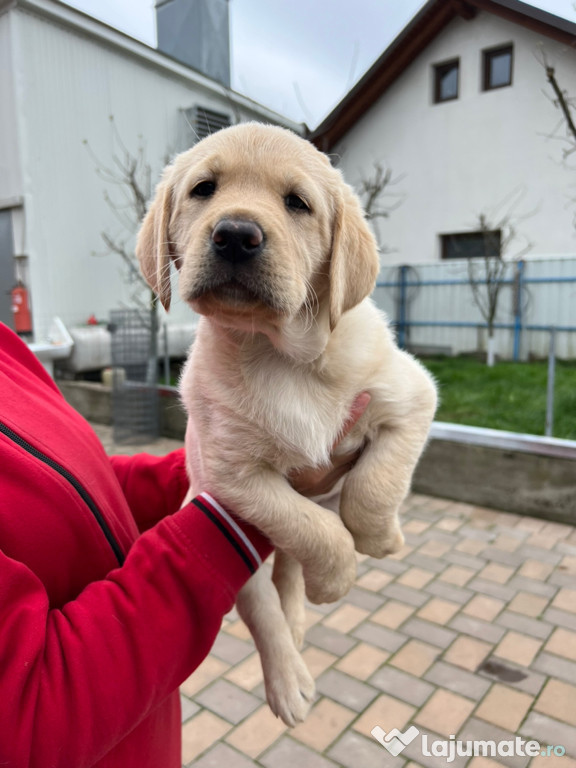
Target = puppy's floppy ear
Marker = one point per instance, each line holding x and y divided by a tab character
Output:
153	243
354	263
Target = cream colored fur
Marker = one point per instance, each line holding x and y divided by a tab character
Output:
280	354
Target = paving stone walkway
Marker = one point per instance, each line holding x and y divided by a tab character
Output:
467	634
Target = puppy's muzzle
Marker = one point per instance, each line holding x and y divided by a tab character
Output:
237	240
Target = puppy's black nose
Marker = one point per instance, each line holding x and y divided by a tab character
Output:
236	240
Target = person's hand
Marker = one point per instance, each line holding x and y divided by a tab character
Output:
316	481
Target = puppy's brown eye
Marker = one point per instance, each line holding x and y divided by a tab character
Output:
203	189
296	203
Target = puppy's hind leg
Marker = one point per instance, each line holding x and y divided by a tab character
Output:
289	685
289	581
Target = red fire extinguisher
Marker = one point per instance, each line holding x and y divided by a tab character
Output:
21	309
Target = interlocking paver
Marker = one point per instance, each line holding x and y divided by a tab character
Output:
528	604
362	661
346	690
257	732
445	712
346	618
556	667
558	700
483	607
415	578
415	657
287	753
210	669
247	674
374	580
228	701
356	751
467	652
381	637
200	733
387	712
483	630
481	731
518	648
548	730
438	611
504	706
457	680
403	686
524	624
393	614
496	572
406	594
318	660
562	643
565	600
221	755
325	723
430	633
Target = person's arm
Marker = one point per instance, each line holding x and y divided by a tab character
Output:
153	486
76	681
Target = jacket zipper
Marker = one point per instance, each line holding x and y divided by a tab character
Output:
78	487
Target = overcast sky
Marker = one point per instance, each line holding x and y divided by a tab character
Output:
298	57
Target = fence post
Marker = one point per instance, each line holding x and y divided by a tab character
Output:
519	289
402	309
550	387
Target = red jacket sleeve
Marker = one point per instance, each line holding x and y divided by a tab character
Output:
154	487
76	681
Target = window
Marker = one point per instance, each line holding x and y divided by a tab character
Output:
497	67
471	245
446	81
203	122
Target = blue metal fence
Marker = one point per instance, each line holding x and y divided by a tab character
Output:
519	282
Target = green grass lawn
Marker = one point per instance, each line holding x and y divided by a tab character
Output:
509	396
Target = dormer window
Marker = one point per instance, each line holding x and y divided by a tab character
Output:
497	67
446	78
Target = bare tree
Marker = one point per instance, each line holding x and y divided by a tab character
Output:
486	273
567	106
378	199
128	177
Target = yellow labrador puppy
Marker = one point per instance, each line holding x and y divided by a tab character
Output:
273	251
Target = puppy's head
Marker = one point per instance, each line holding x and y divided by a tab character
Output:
262	230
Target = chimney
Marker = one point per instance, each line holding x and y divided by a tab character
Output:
196	33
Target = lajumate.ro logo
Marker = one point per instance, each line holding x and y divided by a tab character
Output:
395	742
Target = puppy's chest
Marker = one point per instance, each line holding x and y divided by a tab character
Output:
271	410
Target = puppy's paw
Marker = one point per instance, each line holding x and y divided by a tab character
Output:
379	545
290	691
329	585
330	573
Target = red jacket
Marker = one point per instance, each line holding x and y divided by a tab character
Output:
99	624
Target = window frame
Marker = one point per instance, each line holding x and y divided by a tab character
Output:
440	69
487	55
470	236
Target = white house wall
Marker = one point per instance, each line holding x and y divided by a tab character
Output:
459	158
68	87
10	176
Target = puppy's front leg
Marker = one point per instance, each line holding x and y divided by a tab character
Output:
375	488
296	525
289	685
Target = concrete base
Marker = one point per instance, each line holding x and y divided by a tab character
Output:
517	473
528	484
